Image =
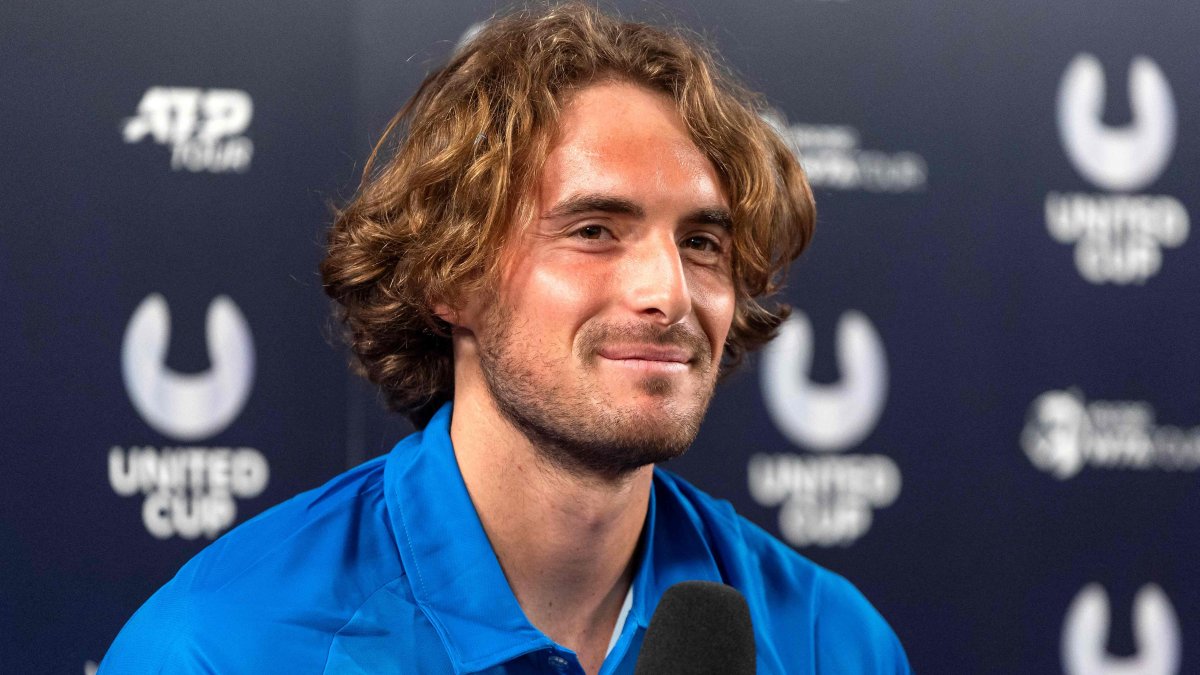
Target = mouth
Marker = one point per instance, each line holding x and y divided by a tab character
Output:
649	358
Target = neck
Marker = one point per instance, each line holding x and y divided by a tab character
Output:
565	542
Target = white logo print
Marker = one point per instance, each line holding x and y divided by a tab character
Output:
203	128
1052	434
832	159
189	490
1120	159
826	499
1118	238
192	406
1155	628
825	417
1063	433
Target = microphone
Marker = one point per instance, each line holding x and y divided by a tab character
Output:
699	627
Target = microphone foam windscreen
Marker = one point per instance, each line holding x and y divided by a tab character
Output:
699	627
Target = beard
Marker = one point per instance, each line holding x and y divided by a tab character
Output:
572	424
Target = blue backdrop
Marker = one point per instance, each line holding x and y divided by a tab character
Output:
985	411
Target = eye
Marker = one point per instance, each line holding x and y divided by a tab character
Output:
702	243
593	232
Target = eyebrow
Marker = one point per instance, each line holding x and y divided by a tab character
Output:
591	203
601	203
711	216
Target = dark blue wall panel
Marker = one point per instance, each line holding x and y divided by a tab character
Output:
984	412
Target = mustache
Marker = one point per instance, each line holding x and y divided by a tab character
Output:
684	336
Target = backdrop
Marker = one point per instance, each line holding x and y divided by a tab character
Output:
984	412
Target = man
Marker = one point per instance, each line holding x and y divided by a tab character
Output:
558	246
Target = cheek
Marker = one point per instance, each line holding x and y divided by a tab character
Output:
714	304
555	294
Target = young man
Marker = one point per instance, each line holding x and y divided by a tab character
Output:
557	248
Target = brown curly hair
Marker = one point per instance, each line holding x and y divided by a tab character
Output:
455	166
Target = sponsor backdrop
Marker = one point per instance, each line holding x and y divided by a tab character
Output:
984	410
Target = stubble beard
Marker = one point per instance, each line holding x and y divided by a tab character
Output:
571	426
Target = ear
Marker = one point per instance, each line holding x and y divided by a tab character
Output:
446	313
465	316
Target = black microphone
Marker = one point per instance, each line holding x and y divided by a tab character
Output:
699	627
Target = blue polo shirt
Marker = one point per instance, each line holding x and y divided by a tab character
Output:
386	569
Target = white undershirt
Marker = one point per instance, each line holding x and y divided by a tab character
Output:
625	607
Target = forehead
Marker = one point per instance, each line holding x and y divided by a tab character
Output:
624	139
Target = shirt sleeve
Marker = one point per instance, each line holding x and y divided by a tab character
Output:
154	640
851	636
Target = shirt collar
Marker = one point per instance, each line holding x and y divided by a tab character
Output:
455	576
675	548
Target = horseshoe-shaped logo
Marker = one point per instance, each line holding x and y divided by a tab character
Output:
1123	158
1155	629
825	417
188	407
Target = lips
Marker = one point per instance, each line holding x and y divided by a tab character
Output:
650	353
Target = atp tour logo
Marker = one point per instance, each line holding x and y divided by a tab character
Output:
1064	433
832	159
203	128
1118	236
1155	628
825	498
189	490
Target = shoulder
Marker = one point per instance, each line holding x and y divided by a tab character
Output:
804	611
272	593
851	635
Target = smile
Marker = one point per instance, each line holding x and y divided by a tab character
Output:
648	358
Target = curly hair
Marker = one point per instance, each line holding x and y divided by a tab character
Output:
455	167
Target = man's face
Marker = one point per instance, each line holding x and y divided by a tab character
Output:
604	342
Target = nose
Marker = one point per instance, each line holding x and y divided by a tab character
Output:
655	283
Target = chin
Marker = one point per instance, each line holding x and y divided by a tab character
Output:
624	434
664	397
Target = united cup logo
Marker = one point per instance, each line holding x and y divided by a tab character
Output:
828	417
1118	237
825	498
189	490
1119	159
192	406
1155	628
